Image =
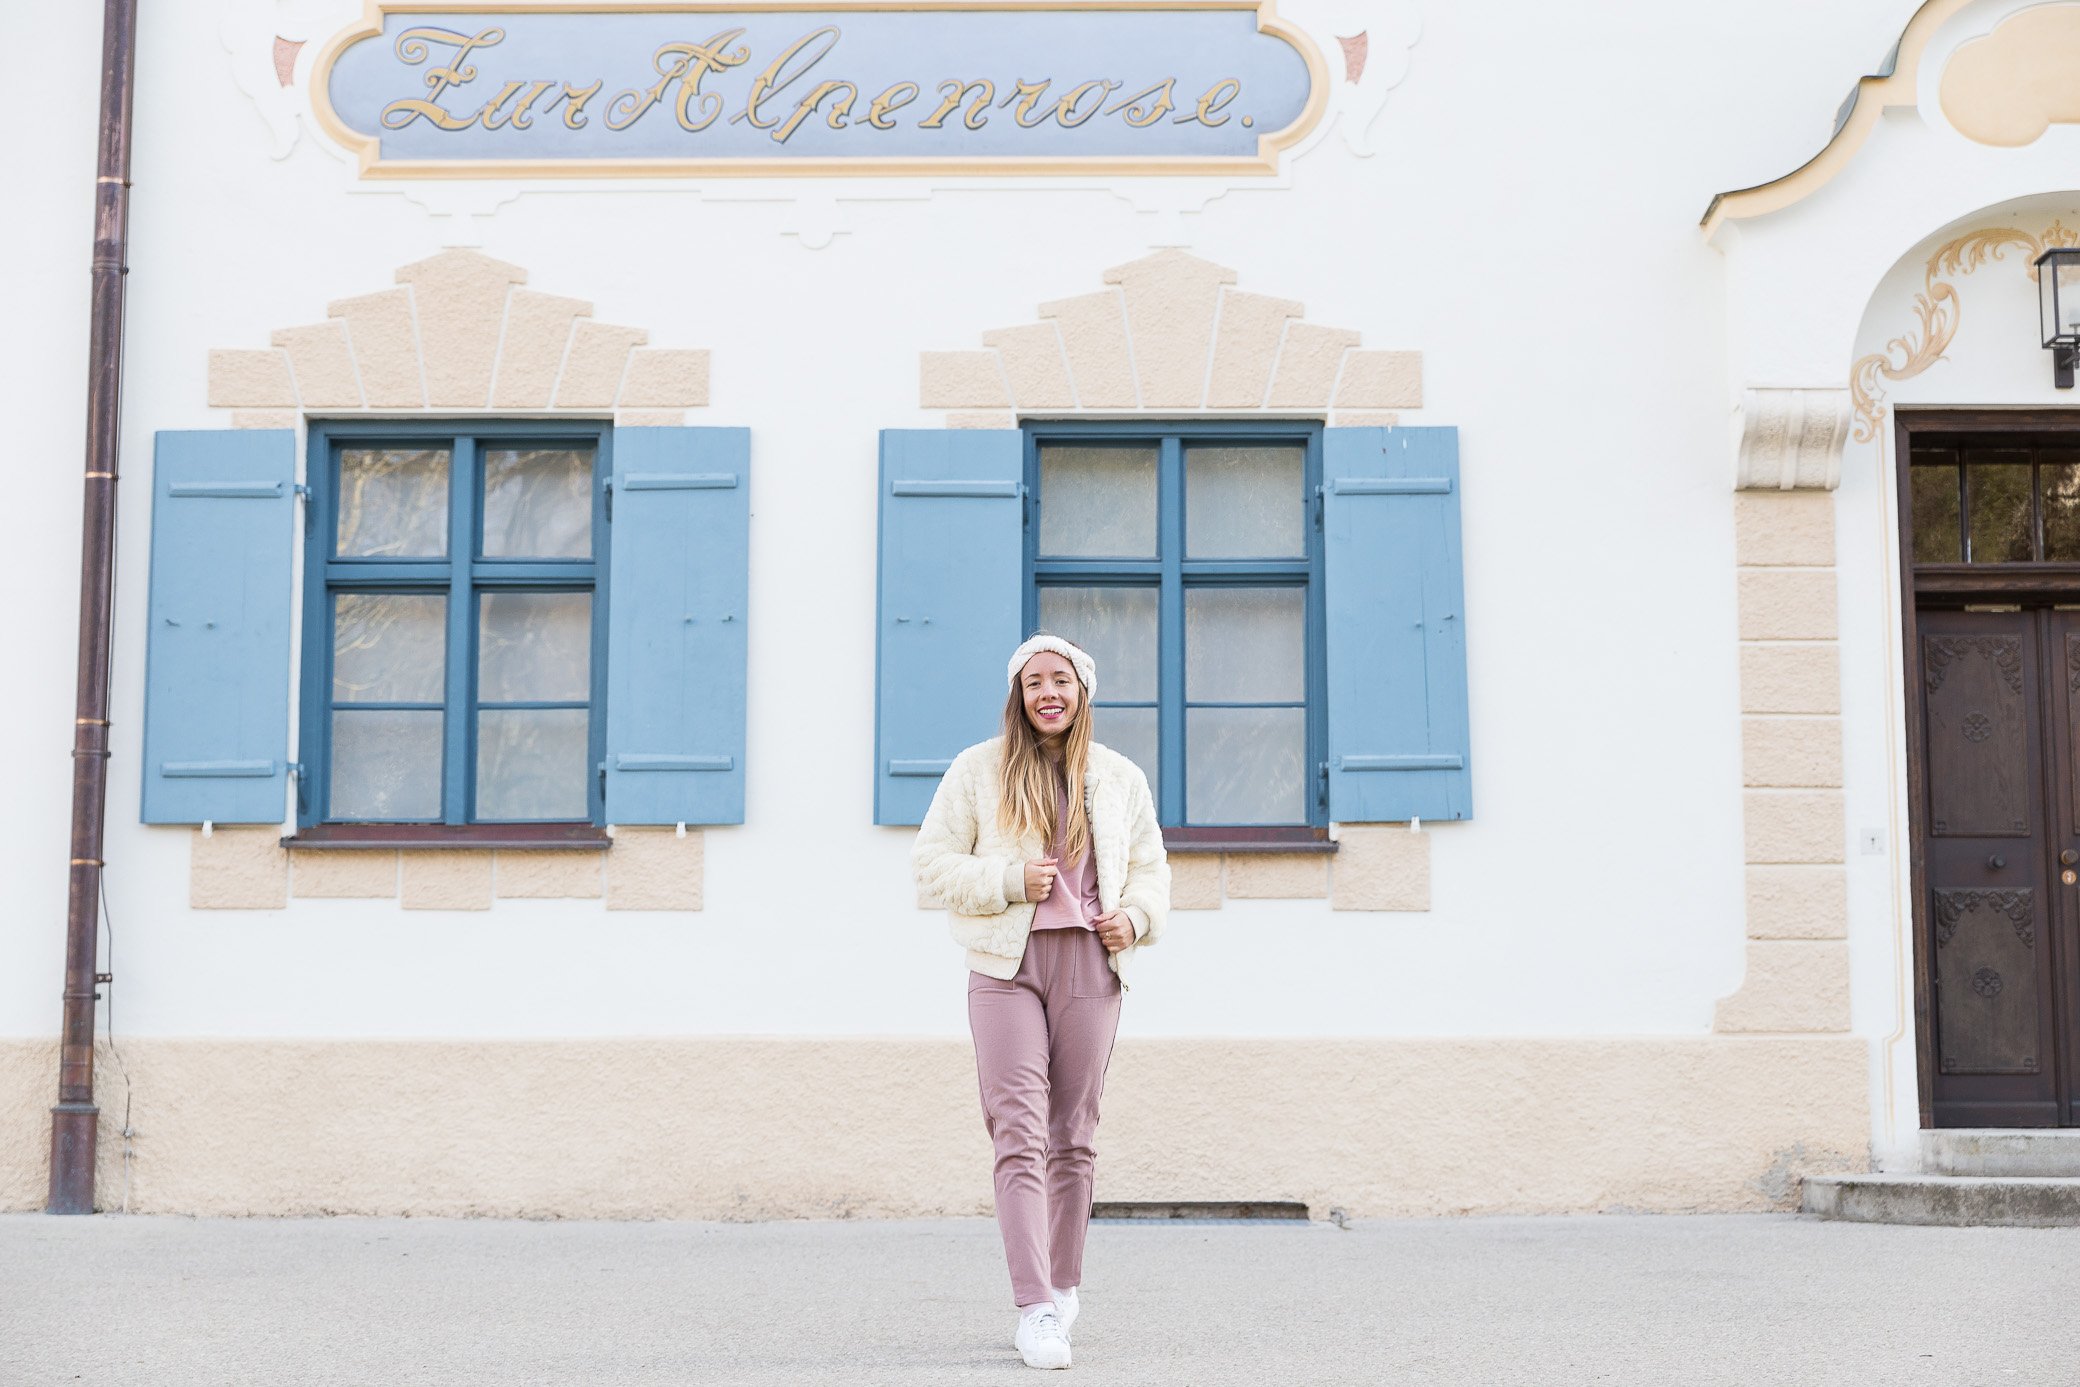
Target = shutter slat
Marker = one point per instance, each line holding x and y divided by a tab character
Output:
1398	736
217	659
677	595
949	603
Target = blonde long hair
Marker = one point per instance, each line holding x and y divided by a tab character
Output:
1026	808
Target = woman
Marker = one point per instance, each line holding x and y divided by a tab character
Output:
1049	892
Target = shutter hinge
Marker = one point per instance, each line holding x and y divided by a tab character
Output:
303	789
310	509
1320	501
608	487
603	784
1321	794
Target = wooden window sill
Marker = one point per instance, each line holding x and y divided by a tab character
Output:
1250	840
391	837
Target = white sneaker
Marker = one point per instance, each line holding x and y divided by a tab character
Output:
1066	1309
1040	1340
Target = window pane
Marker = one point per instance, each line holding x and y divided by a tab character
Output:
531	763
1098	502
389	647
1245	645
1132	733
538	503
386	764
1117	626
393	503
2000	508
1245	502
1935	515
2059	474
534	647
1246	765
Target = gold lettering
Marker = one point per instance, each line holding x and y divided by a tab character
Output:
415	46
1065	111
1027	95
1138	114
881	110
836	121
627	108
778	76
518	116
1216	100
575	99
709	58
956	91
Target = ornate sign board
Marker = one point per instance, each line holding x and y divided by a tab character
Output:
520	90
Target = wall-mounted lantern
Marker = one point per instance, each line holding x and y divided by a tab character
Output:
2058	310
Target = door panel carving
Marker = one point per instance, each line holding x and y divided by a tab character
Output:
1978	737
1987	983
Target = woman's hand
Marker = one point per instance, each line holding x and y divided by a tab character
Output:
1115	931
1040	875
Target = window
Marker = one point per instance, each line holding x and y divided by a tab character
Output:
454	626
2001	499
1189	565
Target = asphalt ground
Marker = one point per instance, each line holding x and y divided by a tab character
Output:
1756	1300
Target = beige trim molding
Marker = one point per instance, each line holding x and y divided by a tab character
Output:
1791	439
768	1127
1169	334
365	148
2008	86
459	334
1897	85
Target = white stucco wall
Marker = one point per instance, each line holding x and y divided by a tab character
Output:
1528	223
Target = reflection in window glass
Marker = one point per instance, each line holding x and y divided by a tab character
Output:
1245	502
389	647
386	764
1117	626
1245	645
538	503
534	647
1246	765
2001	529
1132	733
1937	538
531	763
393	503
2058	475
1097	502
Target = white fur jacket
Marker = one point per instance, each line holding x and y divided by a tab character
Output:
964	860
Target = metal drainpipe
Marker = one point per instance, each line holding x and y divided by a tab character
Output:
73	1119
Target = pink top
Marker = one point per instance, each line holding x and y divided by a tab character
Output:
1073	904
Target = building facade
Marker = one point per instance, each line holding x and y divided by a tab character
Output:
1604	672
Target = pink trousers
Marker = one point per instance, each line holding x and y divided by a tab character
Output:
1042	1041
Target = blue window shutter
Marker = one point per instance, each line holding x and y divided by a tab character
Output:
950	603
216	701
678	590
1398	745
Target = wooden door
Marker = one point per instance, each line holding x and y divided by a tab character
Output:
1990	837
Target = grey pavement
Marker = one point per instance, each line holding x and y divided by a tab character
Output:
1754	1300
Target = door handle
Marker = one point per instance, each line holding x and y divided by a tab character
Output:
1996	862
2068	858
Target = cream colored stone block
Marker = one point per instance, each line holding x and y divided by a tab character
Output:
650	418
1277	876
981	419
1787	604
655	869
1245	349
666	379
1783	527
549	874
461	300
324	366
1792	985
343	873
530	355
238	869
447	879
1035	365
1798	903
250	379
959	380
740	1127
1793	825
1171	299
598	358
1195	881
1307	365
265	419
1791	679
1791	751
1380	867
1382	380
1363	419
1094	335
386	347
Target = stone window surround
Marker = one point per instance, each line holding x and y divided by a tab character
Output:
458	337
1170	336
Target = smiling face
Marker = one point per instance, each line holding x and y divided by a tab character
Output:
1053	695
